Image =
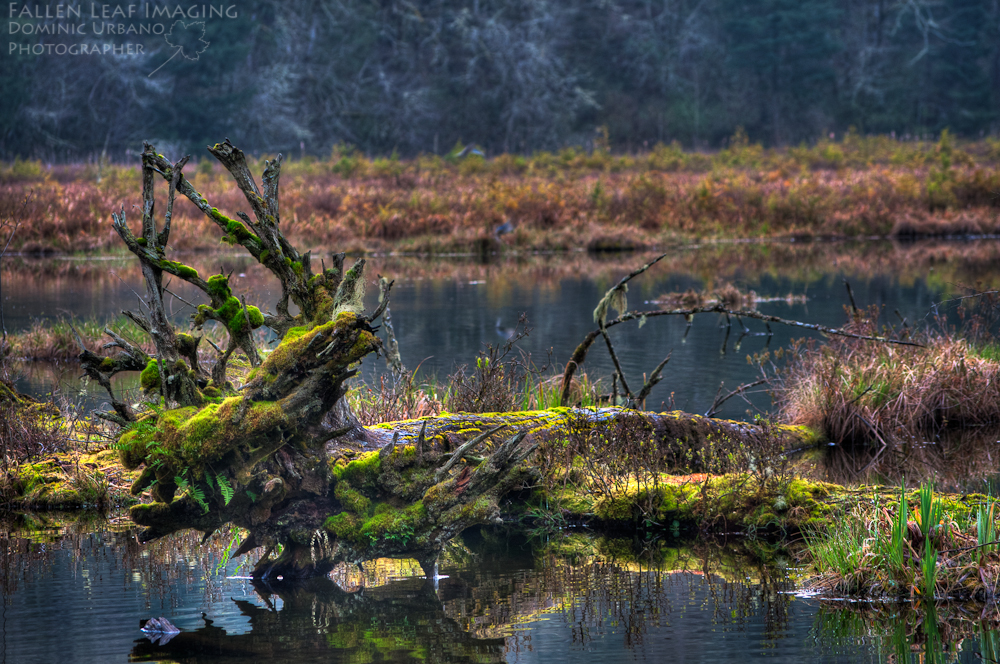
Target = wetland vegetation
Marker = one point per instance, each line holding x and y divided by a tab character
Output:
418	470
855	187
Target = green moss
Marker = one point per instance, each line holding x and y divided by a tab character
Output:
141	241
478	511
194	437
289	350
297	268
149	379
218	286
344	525
264	255
294	333
396	526
352	500
238	231
108	364
219	218
197	431
186	344
149	513
230	312
181	270
361	472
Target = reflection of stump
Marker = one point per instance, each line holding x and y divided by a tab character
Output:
318	621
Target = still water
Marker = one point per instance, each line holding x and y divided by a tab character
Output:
77	593
444	310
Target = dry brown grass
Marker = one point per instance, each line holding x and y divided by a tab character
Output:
864	393
395	397
561	201
54	341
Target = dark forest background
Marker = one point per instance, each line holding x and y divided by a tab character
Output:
519	76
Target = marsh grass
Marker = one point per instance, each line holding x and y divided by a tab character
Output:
860	186
861	393
502	380
396	396
626	461
930	550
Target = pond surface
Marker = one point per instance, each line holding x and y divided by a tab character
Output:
77	593
445	309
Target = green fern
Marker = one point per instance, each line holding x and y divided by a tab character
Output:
192	490
226	488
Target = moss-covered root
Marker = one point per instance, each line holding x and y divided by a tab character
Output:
397	503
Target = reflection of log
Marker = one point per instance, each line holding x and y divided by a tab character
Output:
320	622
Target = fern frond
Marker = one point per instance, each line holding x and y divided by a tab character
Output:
226	488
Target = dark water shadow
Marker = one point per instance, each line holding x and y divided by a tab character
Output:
956	460
318	621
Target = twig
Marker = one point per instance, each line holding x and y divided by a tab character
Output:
633	315
460	452
717	403
970	548
617	293
850	294
580	354
654	378
175	177
383	298
141	301
614	359
180	298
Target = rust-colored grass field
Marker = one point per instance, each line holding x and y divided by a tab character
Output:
858	187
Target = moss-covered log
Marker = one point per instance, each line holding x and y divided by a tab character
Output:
282	455
211	453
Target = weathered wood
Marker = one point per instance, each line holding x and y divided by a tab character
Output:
259	456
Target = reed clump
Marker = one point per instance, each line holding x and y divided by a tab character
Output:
919	545
859	186
869	393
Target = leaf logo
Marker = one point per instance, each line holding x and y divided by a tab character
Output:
187	40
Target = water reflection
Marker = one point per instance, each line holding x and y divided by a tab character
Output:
318	621
956	460
926	634
503	595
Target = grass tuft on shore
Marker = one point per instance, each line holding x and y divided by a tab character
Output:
919	545
864	393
